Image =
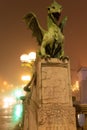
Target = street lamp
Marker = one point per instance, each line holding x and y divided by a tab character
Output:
32	56
28	57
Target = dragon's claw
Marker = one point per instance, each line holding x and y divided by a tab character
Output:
64	58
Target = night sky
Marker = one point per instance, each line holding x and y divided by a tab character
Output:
16	40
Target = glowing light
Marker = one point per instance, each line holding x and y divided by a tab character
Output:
5	83
32	56
18	93
28	57
17	112
8	101
24	58
75	87
6	105
26	77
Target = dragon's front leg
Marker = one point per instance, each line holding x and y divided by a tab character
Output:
43	50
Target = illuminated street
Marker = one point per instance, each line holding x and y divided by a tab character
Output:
10	117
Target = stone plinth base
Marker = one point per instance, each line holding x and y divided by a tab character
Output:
56	117
58	127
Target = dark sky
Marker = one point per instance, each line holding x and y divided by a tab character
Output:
15	39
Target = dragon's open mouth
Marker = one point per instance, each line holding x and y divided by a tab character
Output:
56	15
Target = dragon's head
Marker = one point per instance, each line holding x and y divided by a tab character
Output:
55	10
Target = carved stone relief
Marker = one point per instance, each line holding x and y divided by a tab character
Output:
56	114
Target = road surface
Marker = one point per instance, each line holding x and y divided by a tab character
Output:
10	118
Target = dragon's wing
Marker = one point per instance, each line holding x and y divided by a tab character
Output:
62	24
33	24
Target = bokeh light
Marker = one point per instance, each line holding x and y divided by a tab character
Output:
26	78
32	56
17	114
28	57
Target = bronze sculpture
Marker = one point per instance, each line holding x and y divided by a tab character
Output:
50	41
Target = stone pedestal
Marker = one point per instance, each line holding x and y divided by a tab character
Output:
54	97
49	106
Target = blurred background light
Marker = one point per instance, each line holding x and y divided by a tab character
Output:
26	78
32	56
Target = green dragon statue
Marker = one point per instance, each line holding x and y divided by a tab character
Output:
50	41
